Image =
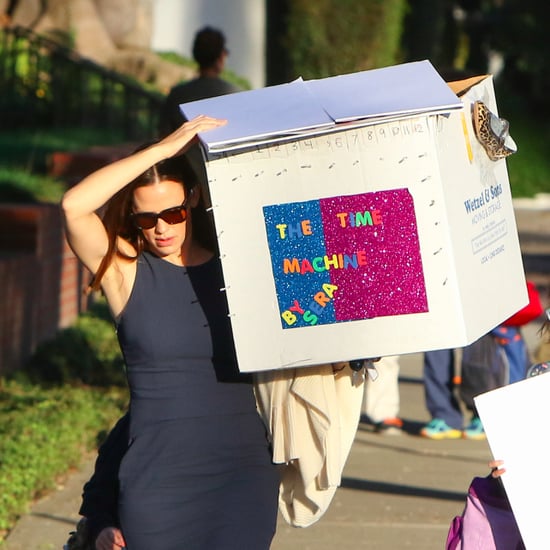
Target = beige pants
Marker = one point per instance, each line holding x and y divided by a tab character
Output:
381	397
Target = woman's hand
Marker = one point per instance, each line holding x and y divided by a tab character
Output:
110	538
179	140
496	468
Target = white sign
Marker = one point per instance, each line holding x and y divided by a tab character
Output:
514	419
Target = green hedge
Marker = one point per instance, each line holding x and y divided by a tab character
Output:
21	186
56	408
85	353
330	37
43	433
25	156
529	168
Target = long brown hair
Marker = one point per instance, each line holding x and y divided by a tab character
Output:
117	220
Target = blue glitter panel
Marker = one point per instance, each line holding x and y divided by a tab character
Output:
295	236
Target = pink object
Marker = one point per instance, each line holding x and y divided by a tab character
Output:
487	522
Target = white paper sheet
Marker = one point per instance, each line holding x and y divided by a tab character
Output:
263	113
410	88
515	418
277	112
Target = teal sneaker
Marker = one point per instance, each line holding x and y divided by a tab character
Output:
474	430
439	429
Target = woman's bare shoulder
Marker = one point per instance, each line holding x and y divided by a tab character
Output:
118	280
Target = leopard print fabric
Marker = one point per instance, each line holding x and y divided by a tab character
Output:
492	132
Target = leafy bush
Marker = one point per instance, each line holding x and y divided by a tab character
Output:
54	409
25	158
20	186
85	353
42	434
330	37
529	168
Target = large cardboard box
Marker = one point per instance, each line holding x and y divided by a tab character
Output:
360	216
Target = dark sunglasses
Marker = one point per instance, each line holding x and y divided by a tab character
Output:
172	216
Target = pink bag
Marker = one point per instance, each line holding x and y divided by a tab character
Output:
487	522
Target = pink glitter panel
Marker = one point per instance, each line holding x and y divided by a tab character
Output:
380	230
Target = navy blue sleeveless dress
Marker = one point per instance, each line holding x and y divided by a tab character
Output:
197	473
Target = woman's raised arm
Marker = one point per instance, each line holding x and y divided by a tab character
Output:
85	231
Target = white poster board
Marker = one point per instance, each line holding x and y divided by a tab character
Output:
385	235
514	418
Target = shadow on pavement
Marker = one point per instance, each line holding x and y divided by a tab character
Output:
396	489
68	521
